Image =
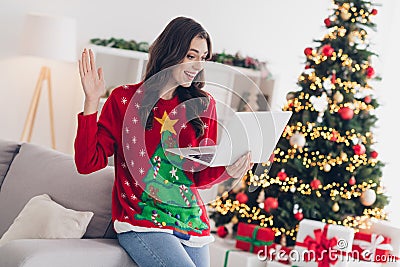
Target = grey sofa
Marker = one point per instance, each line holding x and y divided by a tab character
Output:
27	170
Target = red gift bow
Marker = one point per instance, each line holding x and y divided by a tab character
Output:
369	248
322	246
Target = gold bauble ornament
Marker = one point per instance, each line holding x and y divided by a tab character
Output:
335	207
345	14
368	197
338	97
234	220
327	167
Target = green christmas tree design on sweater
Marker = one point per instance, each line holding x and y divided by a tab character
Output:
168	199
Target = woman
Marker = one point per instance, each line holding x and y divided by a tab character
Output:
157	212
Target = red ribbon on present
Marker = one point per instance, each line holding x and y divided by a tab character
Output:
376	245
322	246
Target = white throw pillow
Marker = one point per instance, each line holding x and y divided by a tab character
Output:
43	218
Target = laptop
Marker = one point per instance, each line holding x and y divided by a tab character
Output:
257	132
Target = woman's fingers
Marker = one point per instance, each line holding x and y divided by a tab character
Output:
100	73
81	73
92	63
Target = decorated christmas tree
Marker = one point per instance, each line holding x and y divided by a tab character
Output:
325	166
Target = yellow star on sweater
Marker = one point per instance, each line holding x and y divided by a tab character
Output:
166	123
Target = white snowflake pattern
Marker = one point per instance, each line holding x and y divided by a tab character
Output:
132	163
173	173
136	184
142	153
137	105
183	105
183	126
174	112
127	183
127	130
123	165
123	195
191	169
127	146
189	145
134	140
139	91
134	120
205	126
125	86
126	217
124	100
141	171
133	197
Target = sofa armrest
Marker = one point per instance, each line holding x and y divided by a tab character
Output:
64	253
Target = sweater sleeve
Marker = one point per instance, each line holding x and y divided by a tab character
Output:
95	140
210	176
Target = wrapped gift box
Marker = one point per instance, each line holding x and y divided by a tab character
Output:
276	264
279	253
224	253
371	247
322	245
388	229
253	238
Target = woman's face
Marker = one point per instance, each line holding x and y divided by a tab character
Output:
192	64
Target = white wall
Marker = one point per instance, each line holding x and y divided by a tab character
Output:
276	31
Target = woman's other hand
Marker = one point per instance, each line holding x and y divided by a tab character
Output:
240	167
92	80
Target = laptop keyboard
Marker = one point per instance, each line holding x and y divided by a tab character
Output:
203	157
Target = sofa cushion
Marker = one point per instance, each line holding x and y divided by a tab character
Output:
38	170
44	218
8	150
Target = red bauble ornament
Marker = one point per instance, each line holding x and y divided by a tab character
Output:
367	99
282	175
308	51
374	154
352	180
299	216
307	66
327	50
359	149
374	11
346	113
334	136
333	78
327	22
222	231
270	203
315	184
370	72
242	197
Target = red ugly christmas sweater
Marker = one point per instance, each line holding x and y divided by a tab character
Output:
153	190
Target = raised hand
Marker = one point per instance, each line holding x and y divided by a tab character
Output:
92	80
240	167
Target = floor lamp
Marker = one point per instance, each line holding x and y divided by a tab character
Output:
46	37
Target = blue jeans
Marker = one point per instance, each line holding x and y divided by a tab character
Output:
162	249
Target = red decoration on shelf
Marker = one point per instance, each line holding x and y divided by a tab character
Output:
222	231
346	113
359	149
315	184
270	203
282	175
299	216
242	197
370	72
327	22
367	99
374	154
308	51
374	11
327	50
352	180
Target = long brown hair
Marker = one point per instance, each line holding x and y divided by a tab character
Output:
169	49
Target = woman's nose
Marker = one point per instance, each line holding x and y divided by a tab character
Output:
198	65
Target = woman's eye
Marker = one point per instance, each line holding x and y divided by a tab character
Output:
190	57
